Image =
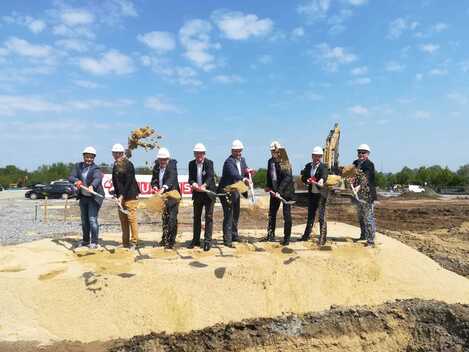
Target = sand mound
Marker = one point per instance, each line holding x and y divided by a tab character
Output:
48	291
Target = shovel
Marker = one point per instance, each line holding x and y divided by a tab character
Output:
251	187
283	200
355	195
119	205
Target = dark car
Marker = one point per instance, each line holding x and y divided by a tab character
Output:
56	189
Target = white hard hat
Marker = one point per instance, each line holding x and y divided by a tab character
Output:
364	147
199	147
317	151
89	150
237	144
275	145
118	148
163	153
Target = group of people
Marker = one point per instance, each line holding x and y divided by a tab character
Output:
87	177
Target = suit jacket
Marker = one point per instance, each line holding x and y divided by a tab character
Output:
230	173
208	174
284	183
123	180
170	177
369	169
321	173
93	178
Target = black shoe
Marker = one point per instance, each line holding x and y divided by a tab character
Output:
229	245
370	244
268	239
305	238
285	242
193	244
207	246
235	238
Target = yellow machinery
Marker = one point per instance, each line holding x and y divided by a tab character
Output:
331	150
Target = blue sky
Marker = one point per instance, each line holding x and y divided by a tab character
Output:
394	74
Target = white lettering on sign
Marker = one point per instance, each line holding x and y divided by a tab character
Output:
145	187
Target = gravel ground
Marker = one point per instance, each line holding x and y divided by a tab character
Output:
19	225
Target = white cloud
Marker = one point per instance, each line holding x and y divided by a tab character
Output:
359	71
124	8
24	48
438	72
357	2
429	48
67	31
393	66
77	45
440	27
315	9
227	79
11	105
34	25
37	26
86	84
159	41
360	81
182	75
195	38
160	105
111	62
76	17
399	26
240	26
298	32
265	59
459	98
358	110
332	57
422	115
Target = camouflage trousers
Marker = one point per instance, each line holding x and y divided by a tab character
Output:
366	218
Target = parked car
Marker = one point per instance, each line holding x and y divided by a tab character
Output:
56	189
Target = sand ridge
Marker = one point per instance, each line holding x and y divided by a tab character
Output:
51	291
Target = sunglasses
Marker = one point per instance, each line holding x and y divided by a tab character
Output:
362	152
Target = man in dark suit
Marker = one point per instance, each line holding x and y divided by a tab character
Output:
235	169
126	191
366	214
279	183
201	179
314	175
88	174
165	179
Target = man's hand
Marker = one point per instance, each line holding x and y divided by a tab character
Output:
251	172
195	187
78	184
90	188
203	188
155	190
311	180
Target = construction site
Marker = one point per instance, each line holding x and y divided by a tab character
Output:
410	292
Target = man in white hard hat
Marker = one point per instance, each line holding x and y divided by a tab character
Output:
235	169
165	179
279	183
126	190
314	175
202	179
87	176
366	215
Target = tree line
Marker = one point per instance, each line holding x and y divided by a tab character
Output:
435	176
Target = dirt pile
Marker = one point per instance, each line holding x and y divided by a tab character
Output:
411	325
49	291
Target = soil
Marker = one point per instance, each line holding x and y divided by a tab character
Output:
408	325
439	228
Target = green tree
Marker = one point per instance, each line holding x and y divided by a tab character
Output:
260	178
